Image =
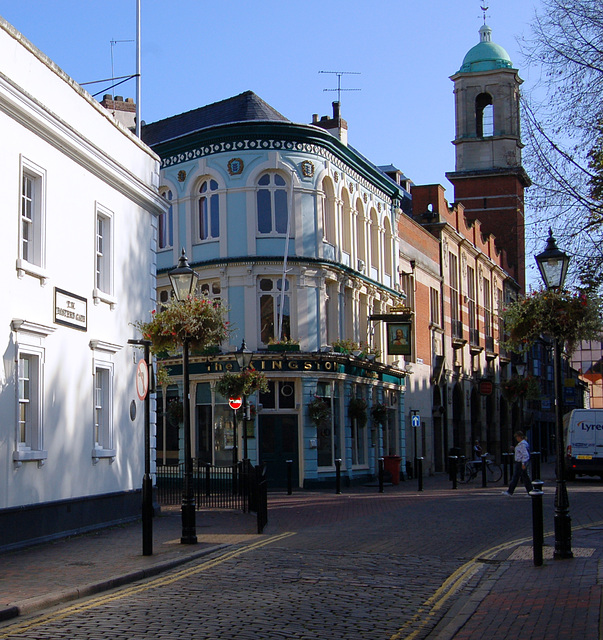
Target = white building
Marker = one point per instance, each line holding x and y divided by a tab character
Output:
77	259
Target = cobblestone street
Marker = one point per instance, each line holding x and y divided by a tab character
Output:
360	566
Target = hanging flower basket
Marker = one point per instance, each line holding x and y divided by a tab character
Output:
283	345
569	317
518	387
201	320
246	383
379	413
319	411
357	410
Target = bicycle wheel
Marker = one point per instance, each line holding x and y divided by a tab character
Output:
494	472
470	473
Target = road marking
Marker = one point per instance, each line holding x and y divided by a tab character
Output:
456	581
162	581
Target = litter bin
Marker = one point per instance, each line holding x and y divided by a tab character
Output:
391	464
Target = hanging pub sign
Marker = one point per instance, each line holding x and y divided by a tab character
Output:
398	338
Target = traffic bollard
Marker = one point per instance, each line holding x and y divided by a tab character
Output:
505	462
289	477
419	466
453	470
461	461
338	476
537	521
535	463
381	471
484	458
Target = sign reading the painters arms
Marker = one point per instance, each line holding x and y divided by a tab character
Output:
70	310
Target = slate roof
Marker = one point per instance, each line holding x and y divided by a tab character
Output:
246	107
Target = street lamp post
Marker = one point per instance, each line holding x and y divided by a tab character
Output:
553	264
184	282
244	356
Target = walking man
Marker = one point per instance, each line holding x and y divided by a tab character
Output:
520	470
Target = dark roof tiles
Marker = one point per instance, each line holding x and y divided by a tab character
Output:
246	107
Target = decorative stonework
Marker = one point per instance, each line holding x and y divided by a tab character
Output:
307	169
235	166
181	175
283	145
365	198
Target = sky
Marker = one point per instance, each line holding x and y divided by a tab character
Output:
402	53
196	52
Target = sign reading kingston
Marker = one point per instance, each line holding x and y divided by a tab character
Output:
70	310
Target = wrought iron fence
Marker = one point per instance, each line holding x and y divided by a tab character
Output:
239	486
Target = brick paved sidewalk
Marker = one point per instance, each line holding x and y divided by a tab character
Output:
44	575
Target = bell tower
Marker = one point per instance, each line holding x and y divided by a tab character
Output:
489	178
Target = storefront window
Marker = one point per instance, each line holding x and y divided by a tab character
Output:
359	439
328	435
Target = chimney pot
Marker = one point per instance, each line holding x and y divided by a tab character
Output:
314	118
336	110
119	98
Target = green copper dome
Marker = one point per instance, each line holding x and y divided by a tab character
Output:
485	56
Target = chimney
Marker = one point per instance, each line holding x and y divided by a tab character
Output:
124	111
336	125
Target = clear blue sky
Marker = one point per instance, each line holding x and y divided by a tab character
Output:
196	52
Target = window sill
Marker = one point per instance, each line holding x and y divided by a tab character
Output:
97	454
100	296
30	269
29	455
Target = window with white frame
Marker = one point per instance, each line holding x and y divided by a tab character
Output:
359	438
165	239
103	419
275	309
29	422
328	434
208	211
32	216
272	209
29	381
211	289
103	259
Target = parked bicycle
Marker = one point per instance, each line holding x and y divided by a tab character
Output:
473	468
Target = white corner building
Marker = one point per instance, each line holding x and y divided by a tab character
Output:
77	257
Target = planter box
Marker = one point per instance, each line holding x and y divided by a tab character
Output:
283	347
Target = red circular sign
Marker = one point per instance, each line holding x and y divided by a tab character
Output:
486	388
235	403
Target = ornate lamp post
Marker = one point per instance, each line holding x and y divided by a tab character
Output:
244	356
184	282
553	264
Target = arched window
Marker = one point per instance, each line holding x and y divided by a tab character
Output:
360	236
165	234
275	309
387	248
208	211
374	241
484	115
272	204
328	211
346	223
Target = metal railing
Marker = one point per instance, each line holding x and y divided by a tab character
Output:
241	486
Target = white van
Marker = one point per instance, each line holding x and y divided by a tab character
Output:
583	431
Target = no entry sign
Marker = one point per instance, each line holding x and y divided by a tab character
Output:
235	403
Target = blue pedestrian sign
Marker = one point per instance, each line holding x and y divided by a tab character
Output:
415	421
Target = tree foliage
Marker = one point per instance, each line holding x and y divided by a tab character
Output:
562	118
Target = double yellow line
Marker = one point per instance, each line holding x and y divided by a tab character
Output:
431	607
133	590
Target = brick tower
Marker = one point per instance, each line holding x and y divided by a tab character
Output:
489	179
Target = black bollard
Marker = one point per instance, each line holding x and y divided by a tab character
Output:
505	462
409	469
453	471
207	479
381	471
537	521
289	477
535	464
338	476
484	458
419	463
461	461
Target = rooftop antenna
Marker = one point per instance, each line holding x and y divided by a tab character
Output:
113	43
339	74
